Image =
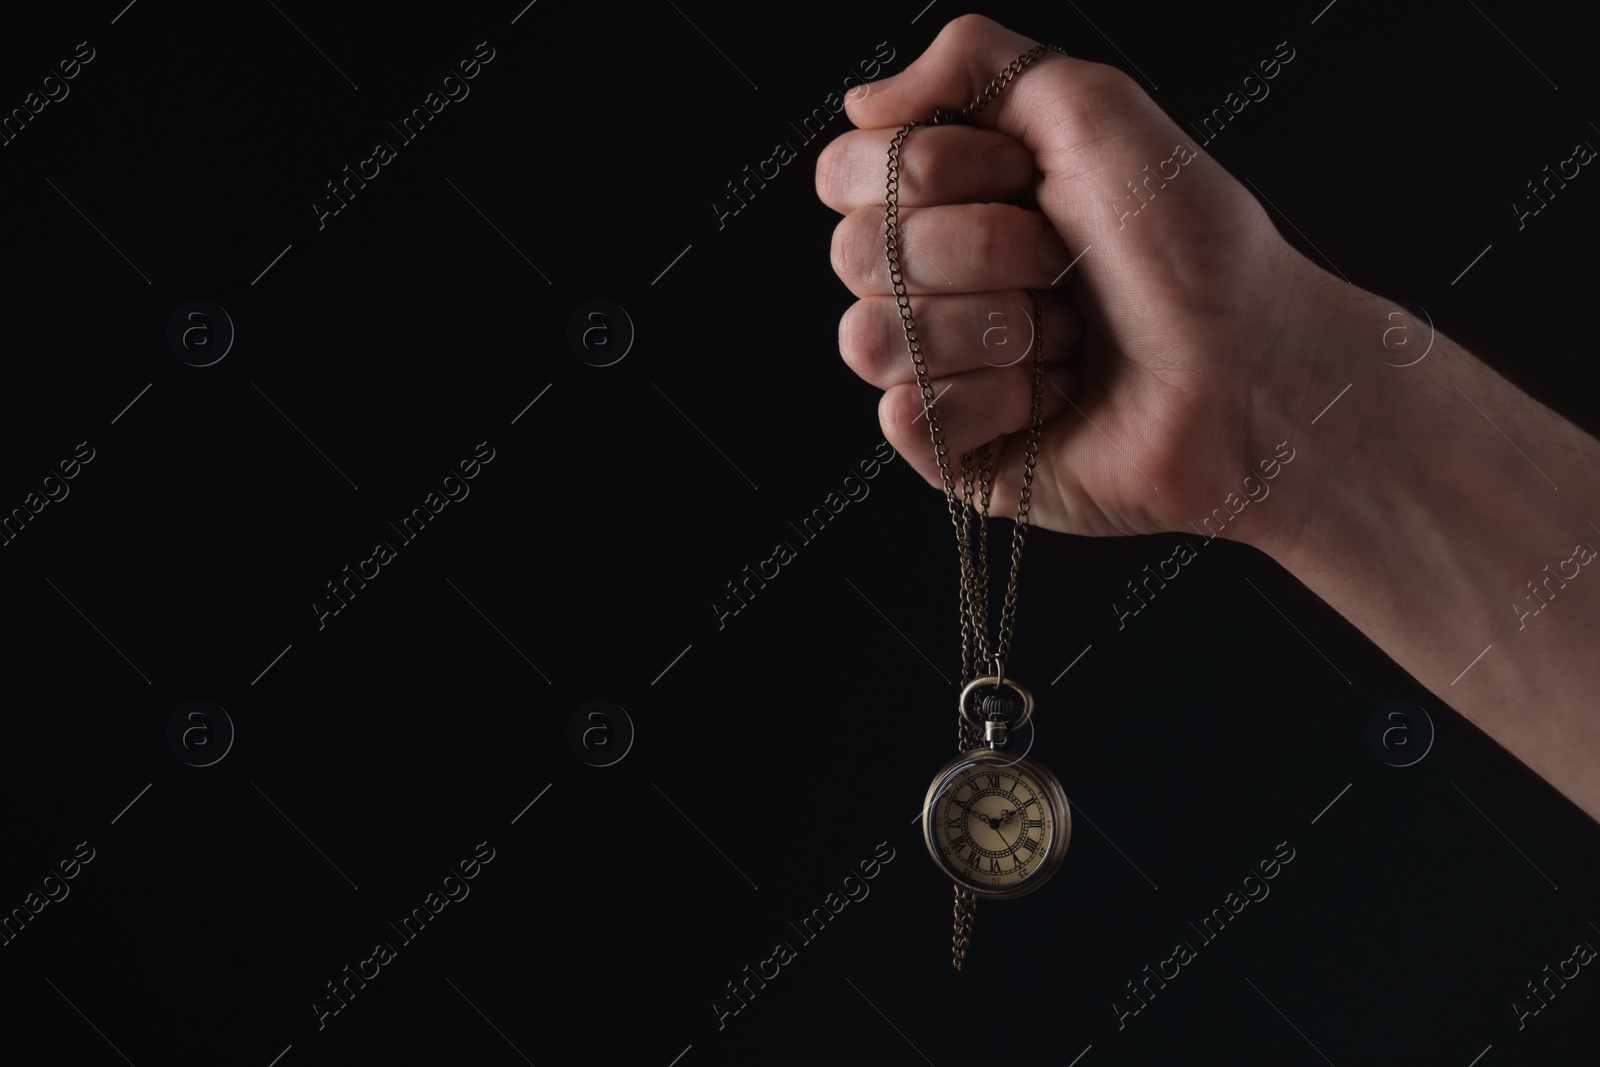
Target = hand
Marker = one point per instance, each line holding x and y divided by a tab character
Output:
986	821
1200	344
1190	323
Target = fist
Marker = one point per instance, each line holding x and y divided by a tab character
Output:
1177	323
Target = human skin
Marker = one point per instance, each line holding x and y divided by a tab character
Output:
1189	341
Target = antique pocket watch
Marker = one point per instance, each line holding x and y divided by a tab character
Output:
997	825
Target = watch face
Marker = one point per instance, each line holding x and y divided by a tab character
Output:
996	825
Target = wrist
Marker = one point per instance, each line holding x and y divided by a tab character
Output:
1306	439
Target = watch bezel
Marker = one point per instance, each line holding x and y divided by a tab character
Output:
1054	795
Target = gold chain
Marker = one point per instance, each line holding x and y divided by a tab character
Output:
974	572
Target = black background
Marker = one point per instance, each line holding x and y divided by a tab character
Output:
773	754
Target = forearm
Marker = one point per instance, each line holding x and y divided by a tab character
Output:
1450	517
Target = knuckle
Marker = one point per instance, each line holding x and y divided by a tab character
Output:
969	26
839	250
856	337
852	260
895	413
886	420
981	235
916	170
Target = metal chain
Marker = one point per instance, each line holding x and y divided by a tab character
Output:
981	621
966	902
974	588
972	594
965	914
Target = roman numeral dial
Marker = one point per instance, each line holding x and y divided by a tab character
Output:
991	823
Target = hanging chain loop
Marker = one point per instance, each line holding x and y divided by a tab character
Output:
974	587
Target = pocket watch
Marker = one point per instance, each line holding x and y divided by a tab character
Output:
997	825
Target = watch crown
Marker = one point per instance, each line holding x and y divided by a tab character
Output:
996	706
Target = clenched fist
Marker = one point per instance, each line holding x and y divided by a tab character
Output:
1174	344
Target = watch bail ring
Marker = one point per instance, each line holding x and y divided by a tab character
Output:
997	682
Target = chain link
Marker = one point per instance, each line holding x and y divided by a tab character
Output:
966	910
974	588
973	594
